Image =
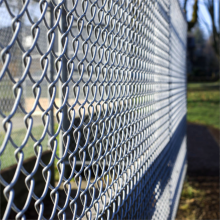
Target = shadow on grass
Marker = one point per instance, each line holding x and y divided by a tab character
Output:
197	101
200	195
203	152
203	88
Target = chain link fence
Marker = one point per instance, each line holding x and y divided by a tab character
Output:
99	86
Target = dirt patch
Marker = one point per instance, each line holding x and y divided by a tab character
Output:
200	195
199	199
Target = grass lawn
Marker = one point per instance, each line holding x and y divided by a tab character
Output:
203	104
8	158
200	195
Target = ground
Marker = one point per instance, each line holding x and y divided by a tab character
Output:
200	195
203	104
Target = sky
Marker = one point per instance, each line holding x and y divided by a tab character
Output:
203	14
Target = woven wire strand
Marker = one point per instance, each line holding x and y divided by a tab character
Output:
106	80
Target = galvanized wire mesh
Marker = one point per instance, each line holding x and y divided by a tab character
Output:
102	85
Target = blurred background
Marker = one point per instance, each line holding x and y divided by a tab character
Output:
200	195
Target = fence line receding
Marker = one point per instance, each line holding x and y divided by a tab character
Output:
92	108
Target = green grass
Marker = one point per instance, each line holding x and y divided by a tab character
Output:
8	158
203	104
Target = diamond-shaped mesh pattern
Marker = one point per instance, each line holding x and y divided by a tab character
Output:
100	87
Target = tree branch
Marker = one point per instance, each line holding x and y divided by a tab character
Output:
184	6
214	29
194	19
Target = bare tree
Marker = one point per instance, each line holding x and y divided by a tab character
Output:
215	33
194	18
213	30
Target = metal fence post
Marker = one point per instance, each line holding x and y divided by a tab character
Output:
64	76
131	144
51	73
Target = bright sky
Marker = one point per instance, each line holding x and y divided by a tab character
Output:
6	19
203	14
